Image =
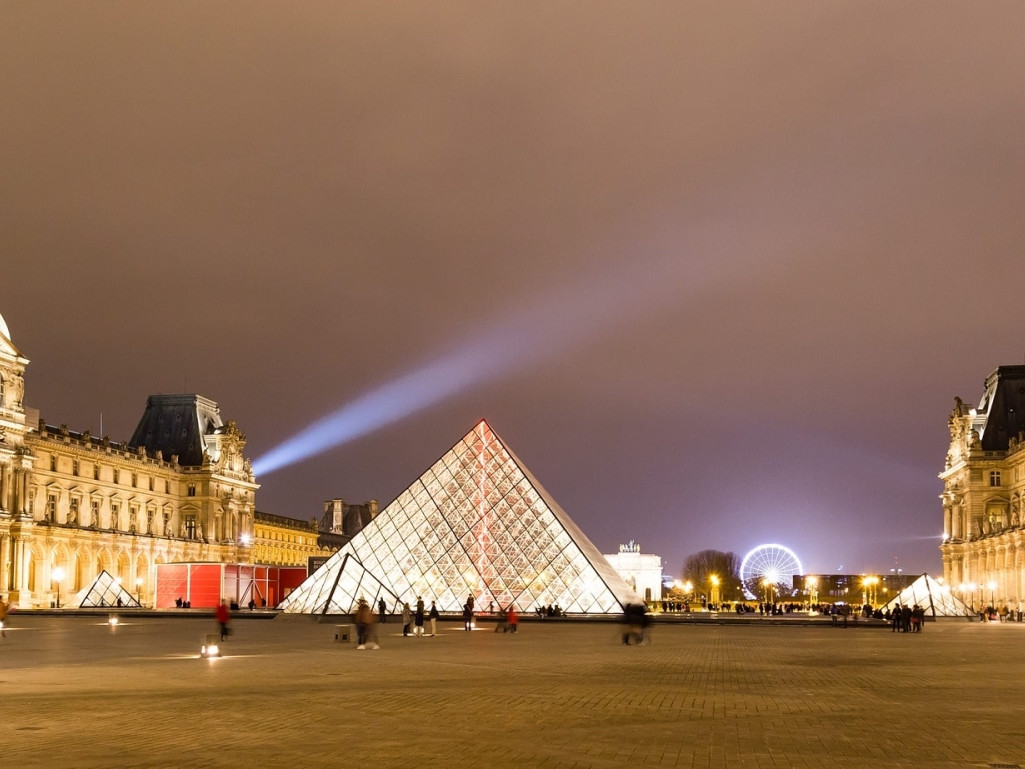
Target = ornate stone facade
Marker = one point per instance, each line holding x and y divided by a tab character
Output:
74	504
983	478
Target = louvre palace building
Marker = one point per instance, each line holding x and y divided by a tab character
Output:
983	478
73	505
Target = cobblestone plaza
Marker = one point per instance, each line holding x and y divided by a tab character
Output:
77	693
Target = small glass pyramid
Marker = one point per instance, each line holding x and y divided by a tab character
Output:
936	599
477	524
104	592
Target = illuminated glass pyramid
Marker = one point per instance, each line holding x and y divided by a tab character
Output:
476	523
936	599
105	591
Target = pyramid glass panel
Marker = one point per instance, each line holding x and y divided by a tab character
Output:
476	523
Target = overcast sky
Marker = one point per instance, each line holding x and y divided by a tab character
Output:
714	272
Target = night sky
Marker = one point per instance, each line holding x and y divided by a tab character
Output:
715	273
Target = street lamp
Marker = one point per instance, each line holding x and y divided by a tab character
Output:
138	589
715	589
57	575
992	586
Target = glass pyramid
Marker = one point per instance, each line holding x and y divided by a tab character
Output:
936	599
105	591
476	523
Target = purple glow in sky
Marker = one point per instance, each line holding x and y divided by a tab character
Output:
716	276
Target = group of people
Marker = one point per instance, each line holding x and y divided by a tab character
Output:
417	618
508	620
549	611
906	619
414	618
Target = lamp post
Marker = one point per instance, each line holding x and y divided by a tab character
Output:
992	586
58	575
715	589
138	589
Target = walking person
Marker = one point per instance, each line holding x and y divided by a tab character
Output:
434	619
381	609
467	615
512	619
502	619
407	618
223	618
363	618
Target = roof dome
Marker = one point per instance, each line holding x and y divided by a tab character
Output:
4	331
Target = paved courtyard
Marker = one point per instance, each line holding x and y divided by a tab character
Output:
76	693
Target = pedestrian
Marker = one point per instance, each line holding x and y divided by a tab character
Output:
468	615
407	618
363	616
381	609
4	611
512	619
502	619
434	619
418	618
632	623
223	618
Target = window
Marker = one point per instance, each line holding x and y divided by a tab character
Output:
151	483
192	490
190	526
994	477
74	467
115	515
73	511
135	480
53	463
96	472
51	507
95	506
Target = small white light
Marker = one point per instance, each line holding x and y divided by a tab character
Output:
211	650
112	620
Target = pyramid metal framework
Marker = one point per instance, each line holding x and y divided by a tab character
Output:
936	599
476	523
104	592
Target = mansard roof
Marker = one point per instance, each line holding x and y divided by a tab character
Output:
176	424
1003	404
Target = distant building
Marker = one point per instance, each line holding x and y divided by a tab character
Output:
642	572
983	493
874	589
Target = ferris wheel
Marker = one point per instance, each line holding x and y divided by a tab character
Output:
769	570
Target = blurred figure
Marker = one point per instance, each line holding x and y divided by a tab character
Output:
634	618
5	609
500	624
363	618
407	618
512	619
468	615
381	609
223	618
370	631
